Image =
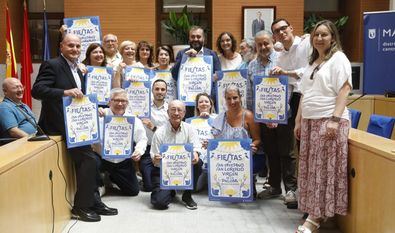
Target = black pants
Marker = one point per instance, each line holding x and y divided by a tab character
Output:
87	164
278	145
146	168
123	175
161	198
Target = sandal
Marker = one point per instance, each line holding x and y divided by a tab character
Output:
303	229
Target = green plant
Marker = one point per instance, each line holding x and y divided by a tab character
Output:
179	27
311	21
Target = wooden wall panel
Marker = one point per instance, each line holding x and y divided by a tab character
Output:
227	15
132	20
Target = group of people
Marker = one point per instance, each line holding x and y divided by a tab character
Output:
319	80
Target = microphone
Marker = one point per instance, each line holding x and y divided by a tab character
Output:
41	136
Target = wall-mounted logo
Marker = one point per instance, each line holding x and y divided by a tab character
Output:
372	33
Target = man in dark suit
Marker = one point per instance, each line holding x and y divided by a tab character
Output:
258	24
60	77
196	42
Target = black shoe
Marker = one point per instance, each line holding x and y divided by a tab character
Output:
189	202
102	209
292	205
85	214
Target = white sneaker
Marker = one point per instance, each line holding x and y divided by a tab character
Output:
290	197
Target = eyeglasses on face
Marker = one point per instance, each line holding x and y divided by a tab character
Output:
281	29
117	101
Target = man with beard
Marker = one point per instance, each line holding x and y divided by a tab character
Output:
196	42
247	52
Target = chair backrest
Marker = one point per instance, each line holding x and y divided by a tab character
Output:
381	125
355	115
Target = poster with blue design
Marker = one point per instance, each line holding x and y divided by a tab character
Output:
378	52
166	76
202	127
139	96
176	166
237	78
118	137
134	74
194	77
230	170
81	120
271	99
99	80
87	28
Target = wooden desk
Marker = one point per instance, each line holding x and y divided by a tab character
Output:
25	196
372	190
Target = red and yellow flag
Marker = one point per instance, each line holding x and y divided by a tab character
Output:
26	59
10	52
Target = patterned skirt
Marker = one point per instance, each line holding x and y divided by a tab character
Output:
322	178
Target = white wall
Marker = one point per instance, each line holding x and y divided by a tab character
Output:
392	5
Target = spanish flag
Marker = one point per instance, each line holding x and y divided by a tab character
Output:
10	55
26	59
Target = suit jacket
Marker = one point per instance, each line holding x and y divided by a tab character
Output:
206	51
257	26
53	78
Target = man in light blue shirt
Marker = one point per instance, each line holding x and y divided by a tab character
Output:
16	118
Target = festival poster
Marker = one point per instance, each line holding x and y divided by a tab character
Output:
139	96
81	120
118	137
87	28
203	128
237	78
99	80
194	77
134	74
176	166
171	84
271	99
230	170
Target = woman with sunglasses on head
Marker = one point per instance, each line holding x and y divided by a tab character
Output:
322	126
164	57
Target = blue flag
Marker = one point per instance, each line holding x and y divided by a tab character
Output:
46	46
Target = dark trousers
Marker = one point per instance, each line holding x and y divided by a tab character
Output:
278	145
87	164
160	198
146	168
123	174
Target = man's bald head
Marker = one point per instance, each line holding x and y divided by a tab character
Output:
13	89
70	47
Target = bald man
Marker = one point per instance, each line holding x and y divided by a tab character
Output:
60	77
16	118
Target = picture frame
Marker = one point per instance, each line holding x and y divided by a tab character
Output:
257	18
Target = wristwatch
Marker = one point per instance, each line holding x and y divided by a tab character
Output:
335	119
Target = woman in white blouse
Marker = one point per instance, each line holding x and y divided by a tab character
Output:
228	57
127	49
322	125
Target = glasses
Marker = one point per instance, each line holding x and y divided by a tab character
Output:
283	28
316	69
117	101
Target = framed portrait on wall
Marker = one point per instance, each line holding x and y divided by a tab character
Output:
257	18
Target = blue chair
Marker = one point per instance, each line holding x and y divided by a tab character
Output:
381	125
355	115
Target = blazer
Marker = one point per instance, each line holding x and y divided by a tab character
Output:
206	51
53	78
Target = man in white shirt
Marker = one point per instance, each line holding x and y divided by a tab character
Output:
121	171
158	118
110	45
175	131
291	61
